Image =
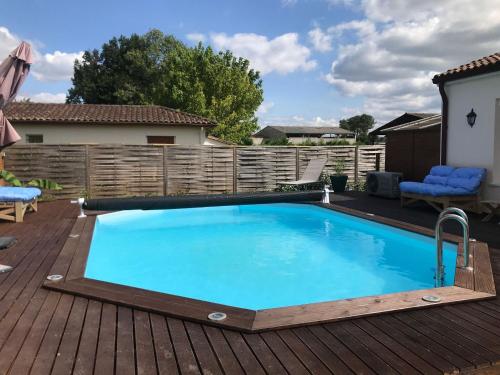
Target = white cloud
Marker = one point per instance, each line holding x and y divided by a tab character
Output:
283	54
44	97
288	3
57	66
299	120
196	37
320	40
398	47
8	42
265	107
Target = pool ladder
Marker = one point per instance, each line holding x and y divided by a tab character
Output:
451	213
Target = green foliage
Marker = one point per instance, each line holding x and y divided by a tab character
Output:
357	186
276	142
339	167
322	142
39	183
10	178
323	180
158	69
44	184
360	125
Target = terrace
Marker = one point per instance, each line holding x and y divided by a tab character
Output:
46	331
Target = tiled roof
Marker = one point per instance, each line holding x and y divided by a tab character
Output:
102	114
422	124
487	64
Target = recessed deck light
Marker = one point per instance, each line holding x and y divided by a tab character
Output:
432	299
4	268
217	316
55	277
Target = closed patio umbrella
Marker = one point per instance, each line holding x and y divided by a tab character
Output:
13	71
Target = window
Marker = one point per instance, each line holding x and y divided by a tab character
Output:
161	139
34	138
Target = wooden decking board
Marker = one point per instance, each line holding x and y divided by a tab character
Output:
382	335
456	348
47	353
222	350
145	353
106	344
341	351
125	345
264	355
372	360
301	350
441	357
478	354
288	359
243	353
85	358
165	356
26	355
44	332
321	351
374	346
68	348
202	349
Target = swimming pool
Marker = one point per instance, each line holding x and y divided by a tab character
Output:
261	256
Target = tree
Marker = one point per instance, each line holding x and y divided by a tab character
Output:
360	125
158	69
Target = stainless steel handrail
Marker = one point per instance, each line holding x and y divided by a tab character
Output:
454	210
439	243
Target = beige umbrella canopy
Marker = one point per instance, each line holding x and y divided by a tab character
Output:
13	71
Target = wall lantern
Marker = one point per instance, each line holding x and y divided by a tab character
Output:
471	118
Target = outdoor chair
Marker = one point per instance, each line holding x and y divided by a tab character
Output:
15	201
446	186
311	175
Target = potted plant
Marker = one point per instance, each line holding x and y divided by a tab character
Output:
339	179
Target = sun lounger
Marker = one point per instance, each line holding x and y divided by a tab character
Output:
15	201
445	186
311	174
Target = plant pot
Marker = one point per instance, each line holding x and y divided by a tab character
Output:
339	183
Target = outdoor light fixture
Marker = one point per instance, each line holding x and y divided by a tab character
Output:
471	118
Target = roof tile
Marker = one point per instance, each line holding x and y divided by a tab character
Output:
487	64
102	113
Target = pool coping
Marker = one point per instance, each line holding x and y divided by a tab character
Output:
474	284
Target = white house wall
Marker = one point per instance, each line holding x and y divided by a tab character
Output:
105	133
475	147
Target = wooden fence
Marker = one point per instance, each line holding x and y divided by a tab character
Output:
117	170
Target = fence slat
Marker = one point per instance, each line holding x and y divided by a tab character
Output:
147	170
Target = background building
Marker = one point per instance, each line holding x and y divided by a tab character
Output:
97	123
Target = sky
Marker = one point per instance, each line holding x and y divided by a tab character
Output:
320	60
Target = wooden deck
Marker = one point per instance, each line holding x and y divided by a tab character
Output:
44	331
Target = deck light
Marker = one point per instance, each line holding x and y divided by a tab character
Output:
471	118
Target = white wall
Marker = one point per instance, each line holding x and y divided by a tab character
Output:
475	147
105	133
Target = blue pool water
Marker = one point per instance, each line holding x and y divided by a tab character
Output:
261	256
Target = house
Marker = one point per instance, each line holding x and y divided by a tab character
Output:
413	147
403	119
299	134
98	123
470	132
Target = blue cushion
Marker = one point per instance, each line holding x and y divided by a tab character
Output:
435	180
16	194
432	189
441	170
467	178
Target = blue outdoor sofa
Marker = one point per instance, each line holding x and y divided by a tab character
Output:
15	201
445	186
